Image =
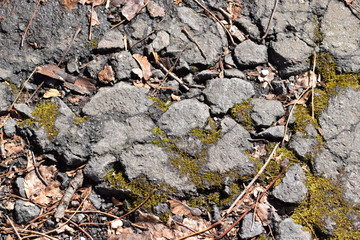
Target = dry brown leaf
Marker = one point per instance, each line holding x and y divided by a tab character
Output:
69	4
131	8
106	75
180	208
265	212
147	217
52	93
302	100
145	65
94	20
155	10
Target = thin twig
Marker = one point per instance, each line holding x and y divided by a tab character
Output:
80	228
118	24
27	28
254	179
71	43
32	156
12	225
271	18
202	231
313	83
168	72
213	15
192	39
36	90
12	105
91	19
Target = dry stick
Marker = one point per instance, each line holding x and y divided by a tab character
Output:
283	170
81	229
213	15
118	24
28	168
22	89
93	211
39	234
271	18
254	179
27	28
71	43
202	231
126	214
192	39
313	89
91	18
12	225
149	33
74	185
32	156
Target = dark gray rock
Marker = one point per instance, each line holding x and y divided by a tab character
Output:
161	41
152	162
123	63
183	116
113	39
98	167
96	65
24	109
288	230
303	143
161	209
206	74
24	212
266	112
122	100
5	101
228	154
343	47
273	133
224	93
250	54
248	26
234	73
20	183
10	128
292	188
279	87
228	59
290	55
250	228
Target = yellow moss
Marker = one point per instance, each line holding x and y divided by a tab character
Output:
44	115
163	106
323	200
303	118
79	120
92	44
207	136
14	90
241	113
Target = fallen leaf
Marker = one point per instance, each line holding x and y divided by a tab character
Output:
94	20
301	101
144	64
106	75
147	217
131	8
52	93
176	98
69	4
234	9
155	10
180	208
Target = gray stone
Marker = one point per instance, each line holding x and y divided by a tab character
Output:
290	55
152	162
123	63
113	39
250	54
183	116
250	28
72	66
303	143
206	74
122	99
96	65
234	73
350	182
292	188
273	133
191	145
98	167
250	228
266	112
24	212
288	230
10	128
224	93
343	47
5	101
228	59
228	153
161	209
161	41
5	73
20	183
227	124
24	109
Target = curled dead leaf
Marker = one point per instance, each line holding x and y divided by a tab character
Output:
180	208
145	65
106	75
51	93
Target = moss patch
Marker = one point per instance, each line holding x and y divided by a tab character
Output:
44	115
14	90
163	106
79	120
324	200
241	113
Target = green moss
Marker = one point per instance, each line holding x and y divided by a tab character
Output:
44	115
324	200
79	120
207	136
241	113
303	118
14	90
92	44
163	106
140	189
